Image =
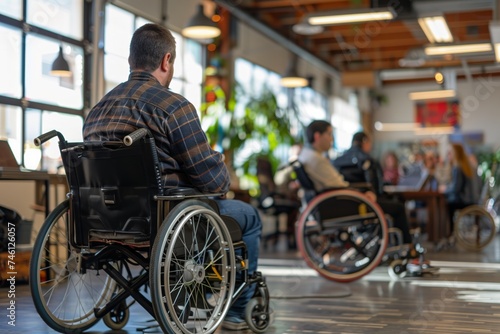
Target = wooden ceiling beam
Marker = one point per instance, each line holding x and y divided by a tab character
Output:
267	4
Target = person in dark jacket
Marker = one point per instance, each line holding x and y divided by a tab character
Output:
357	165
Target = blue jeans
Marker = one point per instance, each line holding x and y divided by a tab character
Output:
251	227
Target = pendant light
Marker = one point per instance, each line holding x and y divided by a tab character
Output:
201	27
60	66
291	79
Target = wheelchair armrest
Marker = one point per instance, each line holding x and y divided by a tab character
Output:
361	186
332	189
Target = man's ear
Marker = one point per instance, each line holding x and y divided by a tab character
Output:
316	136
165	62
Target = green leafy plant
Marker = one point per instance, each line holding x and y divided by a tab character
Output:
255	126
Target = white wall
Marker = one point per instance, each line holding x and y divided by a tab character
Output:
479	108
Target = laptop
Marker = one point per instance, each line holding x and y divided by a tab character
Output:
411	183
7	159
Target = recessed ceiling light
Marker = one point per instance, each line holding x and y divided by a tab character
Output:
305	28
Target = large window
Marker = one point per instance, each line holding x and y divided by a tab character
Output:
299	106
119	28
345	120
253	81
43	87
302	104
64	17
28	93
32	101
10	61
12	8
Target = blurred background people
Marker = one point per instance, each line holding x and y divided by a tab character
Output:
390	168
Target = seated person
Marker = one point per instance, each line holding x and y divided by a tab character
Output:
430	164
186	158
277	199
356	164
390	168
464	188
324	175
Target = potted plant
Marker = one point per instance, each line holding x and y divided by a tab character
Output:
256	126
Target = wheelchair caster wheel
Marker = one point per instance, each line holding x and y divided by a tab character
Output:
397	269
117	318
256	317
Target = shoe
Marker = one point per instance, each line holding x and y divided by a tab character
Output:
234	323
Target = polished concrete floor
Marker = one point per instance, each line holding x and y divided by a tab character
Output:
463	298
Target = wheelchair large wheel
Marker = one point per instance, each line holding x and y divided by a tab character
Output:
64	296
493	207
193	267
474	228
342	235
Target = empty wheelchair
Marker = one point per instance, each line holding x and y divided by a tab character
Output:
121	238
475	225
341	233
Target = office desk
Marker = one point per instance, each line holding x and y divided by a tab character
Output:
8	174
435	202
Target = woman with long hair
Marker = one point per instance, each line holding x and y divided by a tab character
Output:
461	191
390	168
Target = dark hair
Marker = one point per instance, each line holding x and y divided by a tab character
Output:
316	126
358	138
149	44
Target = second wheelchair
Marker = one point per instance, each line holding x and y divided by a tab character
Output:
344	235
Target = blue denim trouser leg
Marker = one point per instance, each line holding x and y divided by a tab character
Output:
251	226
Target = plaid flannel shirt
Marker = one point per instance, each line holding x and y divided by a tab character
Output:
185	156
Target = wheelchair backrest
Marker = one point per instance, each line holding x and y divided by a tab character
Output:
305	182
302	177
112	187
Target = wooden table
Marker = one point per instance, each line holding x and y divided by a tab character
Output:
10	174
435	203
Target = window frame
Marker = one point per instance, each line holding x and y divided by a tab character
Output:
25	103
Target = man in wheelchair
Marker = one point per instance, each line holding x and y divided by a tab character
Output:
186	158
362	169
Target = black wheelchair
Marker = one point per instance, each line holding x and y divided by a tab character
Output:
341	233
121	238
344	235
476	224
